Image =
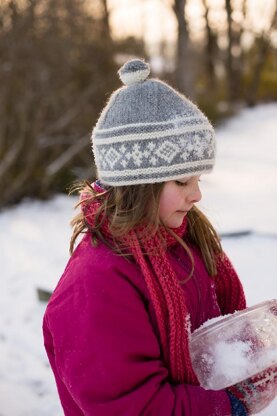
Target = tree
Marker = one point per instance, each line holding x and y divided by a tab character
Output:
53	56
211	48
184	64
263	47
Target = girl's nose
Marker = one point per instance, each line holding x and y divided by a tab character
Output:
195	195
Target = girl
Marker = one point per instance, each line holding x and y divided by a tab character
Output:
149	270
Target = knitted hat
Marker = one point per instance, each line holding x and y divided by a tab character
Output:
148	132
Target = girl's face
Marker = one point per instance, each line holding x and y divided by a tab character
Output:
177	198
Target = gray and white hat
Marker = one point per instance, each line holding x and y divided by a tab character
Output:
148	132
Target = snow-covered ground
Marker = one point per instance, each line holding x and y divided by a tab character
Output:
240	195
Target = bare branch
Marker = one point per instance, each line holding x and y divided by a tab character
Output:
68	155
10	157
66	118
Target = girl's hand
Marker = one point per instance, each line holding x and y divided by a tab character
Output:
257	392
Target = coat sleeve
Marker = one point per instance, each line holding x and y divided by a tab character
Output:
229	290
105	354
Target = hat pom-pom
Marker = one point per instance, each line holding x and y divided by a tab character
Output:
134	71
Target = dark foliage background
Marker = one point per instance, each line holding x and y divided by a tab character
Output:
58	63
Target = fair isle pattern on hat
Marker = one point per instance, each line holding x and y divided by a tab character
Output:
150	133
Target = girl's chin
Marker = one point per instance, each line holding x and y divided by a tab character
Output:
177	220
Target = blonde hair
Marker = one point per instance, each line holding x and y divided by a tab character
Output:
128	207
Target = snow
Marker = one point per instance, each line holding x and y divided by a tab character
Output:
212	321
241	194
238	354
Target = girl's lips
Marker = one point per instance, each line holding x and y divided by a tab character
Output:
184	211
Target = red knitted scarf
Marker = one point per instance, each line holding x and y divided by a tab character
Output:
165	290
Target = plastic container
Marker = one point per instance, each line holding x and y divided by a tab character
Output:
230	349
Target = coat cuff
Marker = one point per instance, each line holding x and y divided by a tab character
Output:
237	407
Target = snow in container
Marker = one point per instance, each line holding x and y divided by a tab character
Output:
230	349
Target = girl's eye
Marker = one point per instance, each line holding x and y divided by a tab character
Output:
178	183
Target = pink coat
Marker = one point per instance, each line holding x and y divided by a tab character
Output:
101	337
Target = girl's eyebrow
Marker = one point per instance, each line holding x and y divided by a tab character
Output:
183	180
